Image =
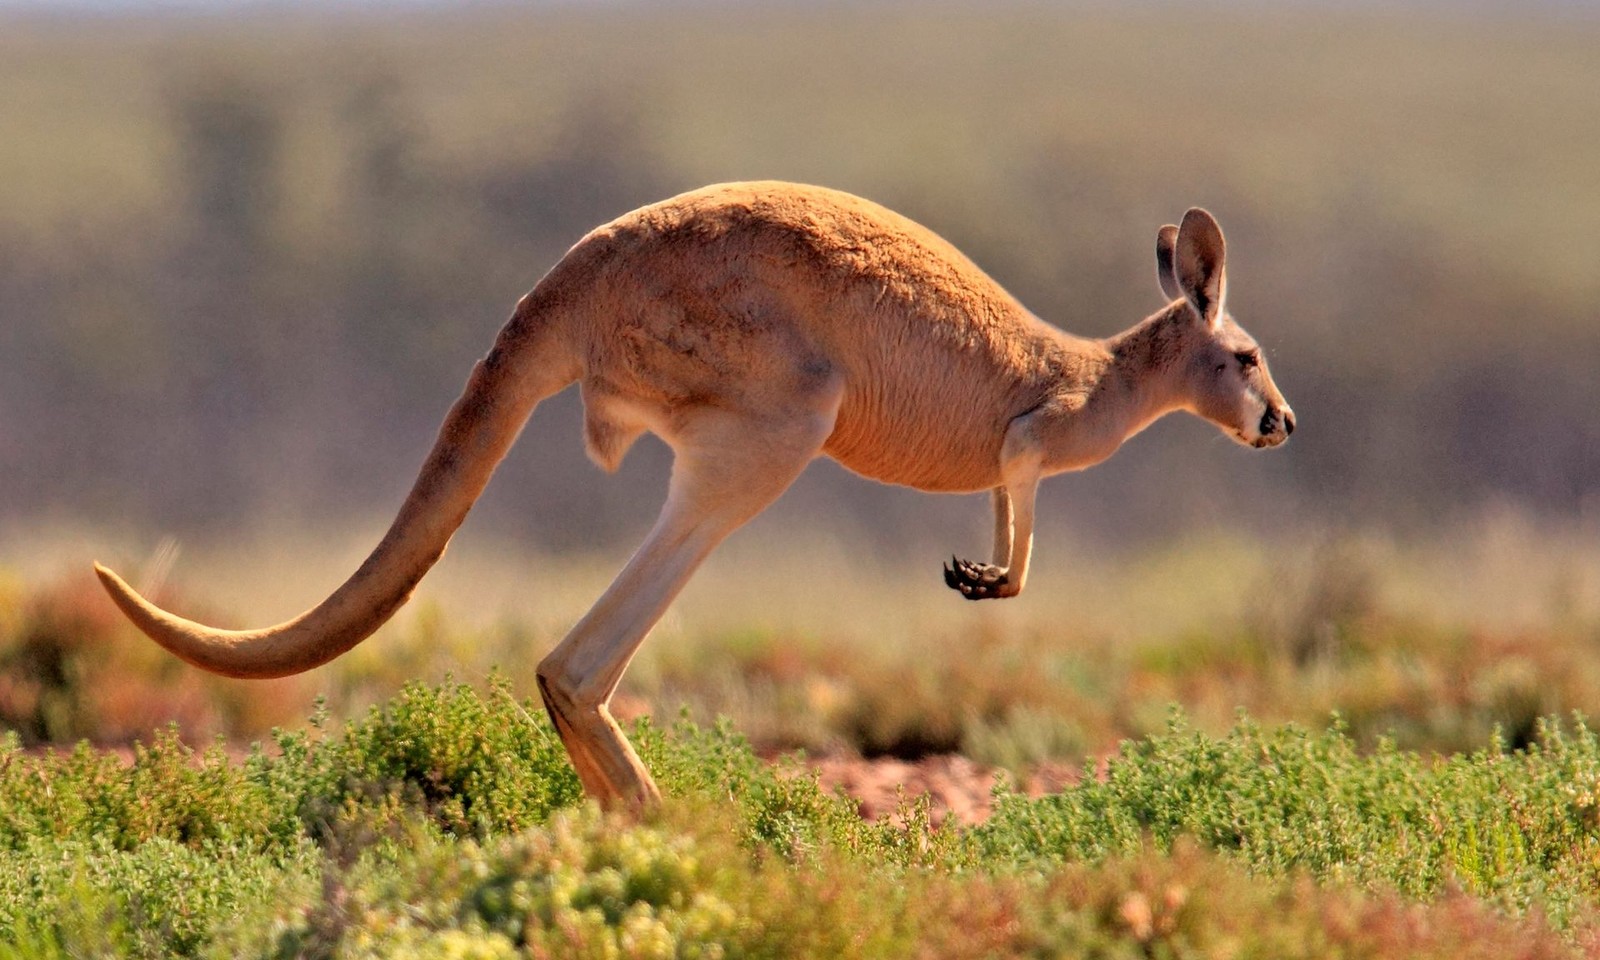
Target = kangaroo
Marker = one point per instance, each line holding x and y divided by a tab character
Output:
753	327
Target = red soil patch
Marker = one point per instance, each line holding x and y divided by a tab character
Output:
954	785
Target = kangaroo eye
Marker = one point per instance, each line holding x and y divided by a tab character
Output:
1248	359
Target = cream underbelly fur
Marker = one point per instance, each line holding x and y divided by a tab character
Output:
754	327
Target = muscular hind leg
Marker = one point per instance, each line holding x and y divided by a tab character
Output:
729	467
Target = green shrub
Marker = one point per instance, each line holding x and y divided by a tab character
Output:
475	764
167	792
446	823
1516	827
681	886
87	897
1190	903
592	886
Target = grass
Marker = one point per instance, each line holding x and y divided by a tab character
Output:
1443	814
446	822
1451	809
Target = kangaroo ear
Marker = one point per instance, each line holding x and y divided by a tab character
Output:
1166	243
1200	262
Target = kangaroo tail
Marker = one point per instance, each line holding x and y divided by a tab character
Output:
528	363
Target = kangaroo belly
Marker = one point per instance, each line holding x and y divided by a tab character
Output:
937	449
905	468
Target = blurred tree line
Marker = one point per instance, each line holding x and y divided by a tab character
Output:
278	332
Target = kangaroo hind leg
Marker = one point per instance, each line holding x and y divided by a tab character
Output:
729	467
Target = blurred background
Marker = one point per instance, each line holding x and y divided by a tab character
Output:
248	253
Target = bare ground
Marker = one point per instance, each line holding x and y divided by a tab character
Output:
954	785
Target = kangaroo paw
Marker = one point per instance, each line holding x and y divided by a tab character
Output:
976	581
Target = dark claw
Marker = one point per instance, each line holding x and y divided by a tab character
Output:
975	581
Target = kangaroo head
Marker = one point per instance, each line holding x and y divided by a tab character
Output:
1223	375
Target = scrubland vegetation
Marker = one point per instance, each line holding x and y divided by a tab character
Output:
444	823
1326	702
1347	774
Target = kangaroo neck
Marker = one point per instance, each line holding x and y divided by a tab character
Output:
1134	382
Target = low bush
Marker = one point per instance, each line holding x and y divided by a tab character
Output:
86	897
447	823
1516	827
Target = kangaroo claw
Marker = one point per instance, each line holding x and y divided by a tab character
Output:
975	581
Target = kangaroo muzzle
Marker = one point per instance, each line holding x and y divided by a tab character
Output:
1276	425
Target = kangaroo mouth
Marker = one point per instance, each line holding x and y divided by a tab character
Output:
1259	441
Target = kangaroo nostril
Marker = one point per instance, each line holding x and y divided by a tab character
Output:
1269	423
1288	422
